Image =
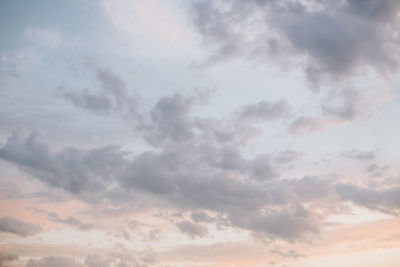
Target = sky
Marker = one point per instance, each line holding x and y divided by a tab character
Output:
199	133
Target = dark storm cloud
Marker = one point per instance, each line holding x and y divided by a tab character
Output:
359	155
18	227
336	38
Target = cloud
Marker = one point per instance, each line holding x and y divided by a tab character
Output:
199	216
310	124
383	11
195	174
72	169
18	227
384	200
263	111
194	164
92	260
98	261
376	170
332	38
339	106
112	94
170	119
292	224
192	229
44	38
70	220
311	188
95	260
290	254
359	155
343	104
53	261
5	258
286	157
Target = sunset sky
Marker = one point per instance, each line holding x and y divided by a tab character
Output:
199	133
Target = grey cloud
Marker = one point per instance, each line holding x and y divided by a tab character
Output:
170	119
386	200
9	190
70	220
291	224
98	261
150	258
134	224
263	169
196	187
74	170
74	222
216	31
154	235
338	106
187	175
286	157
200	216
191	168
359	155
93	260
5	258
112	95
186	179
18	227
348	107
376	170
192	229
263	111
290	254
310	188
383	11
336	39
151	173
89	100
53	261
304	123
353	43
